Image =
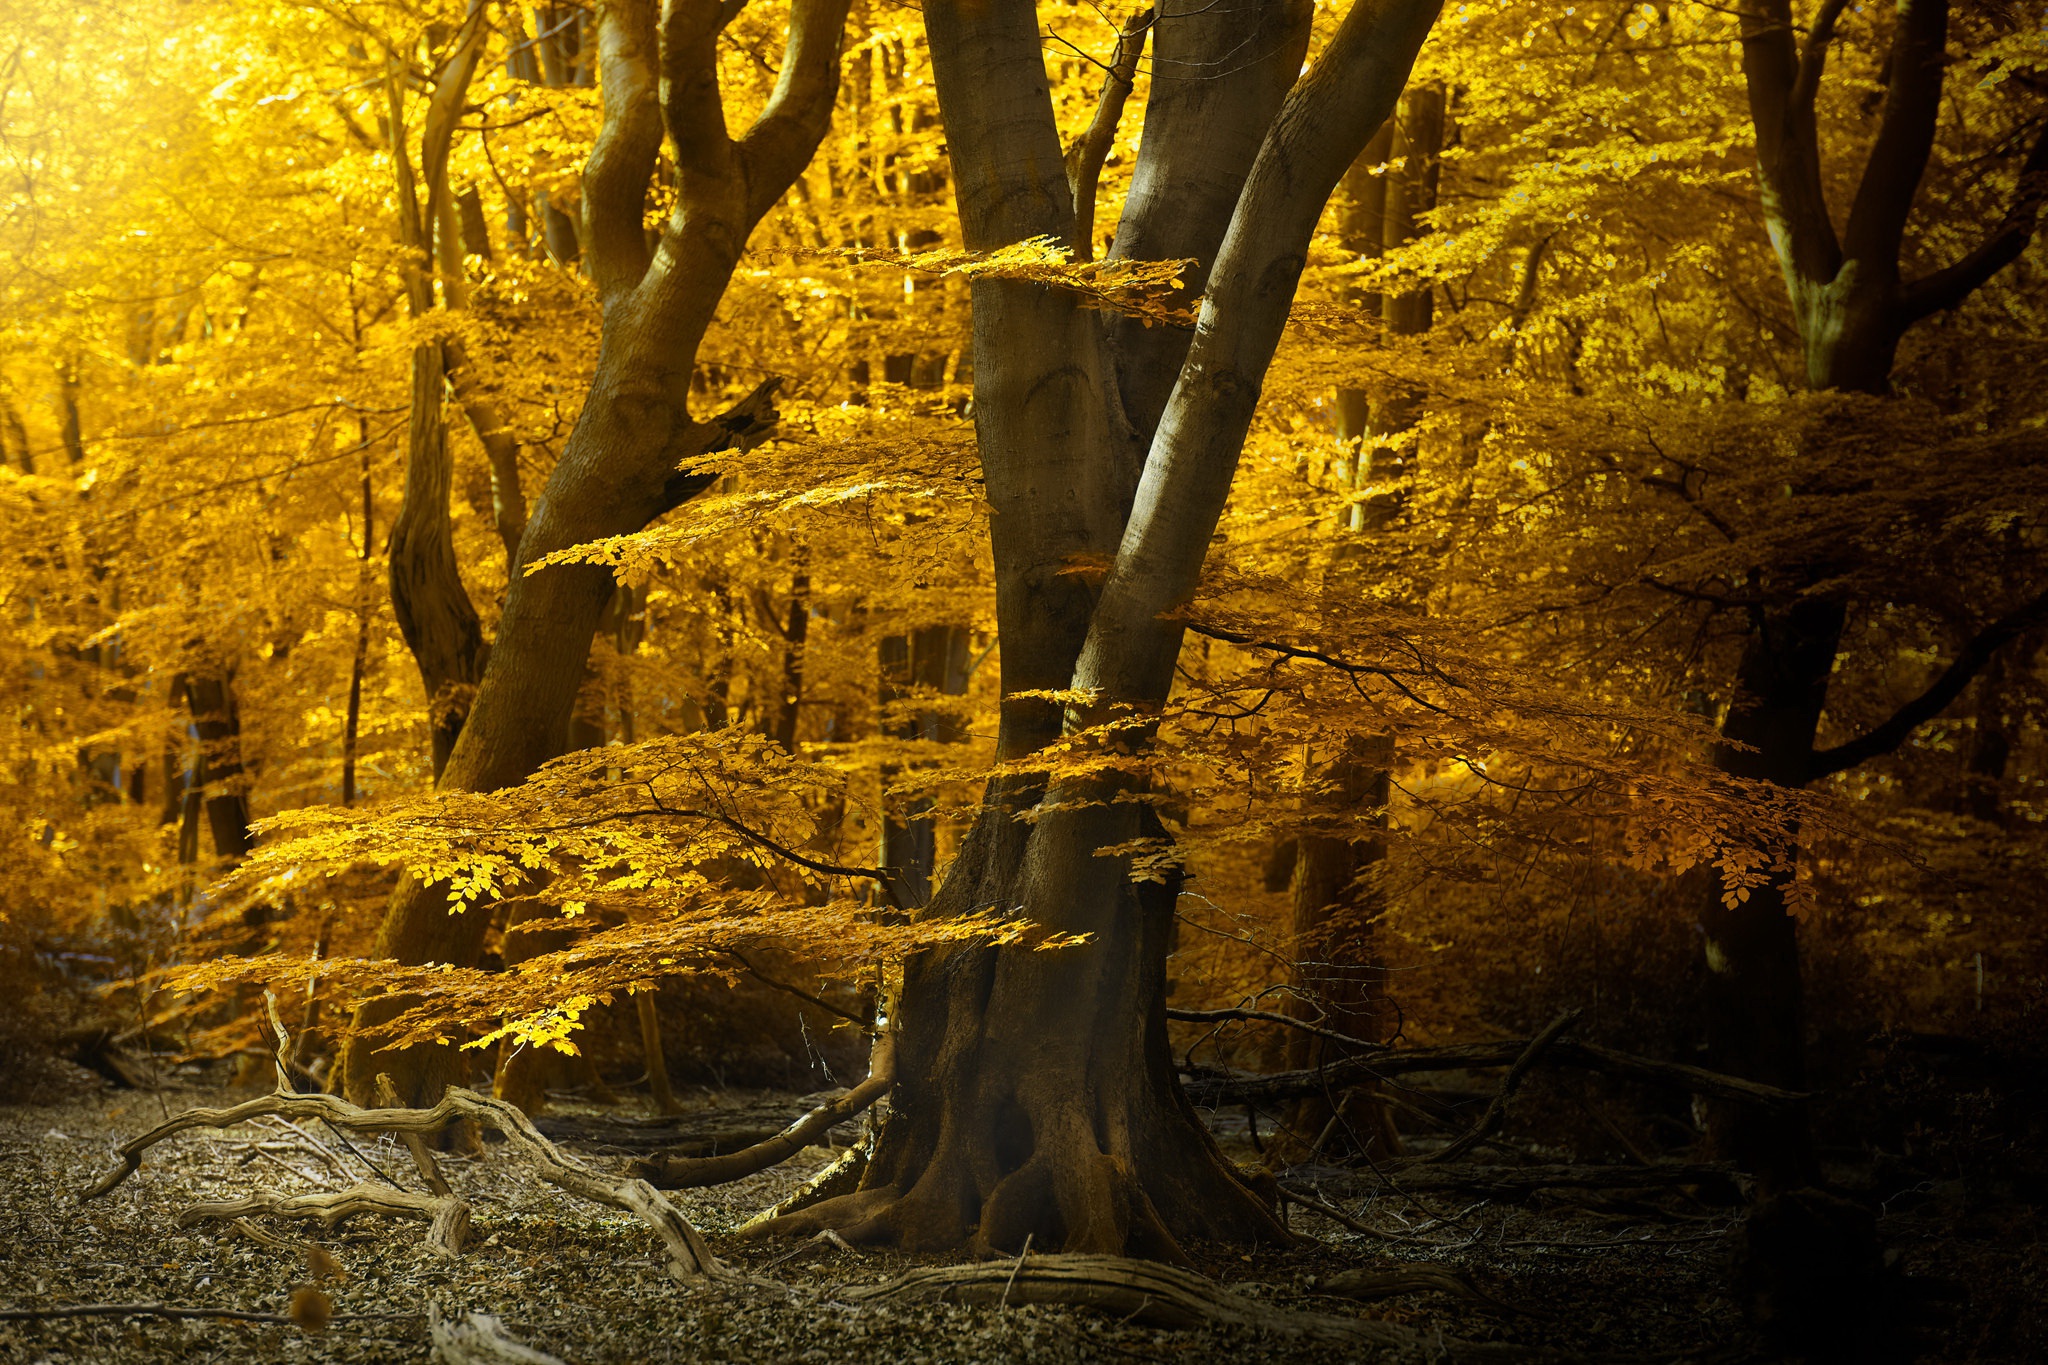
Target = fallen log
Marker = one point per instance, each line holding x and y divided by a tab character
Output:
1220	1089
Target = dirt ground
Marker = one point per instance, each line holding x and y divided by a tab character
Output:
1575	1277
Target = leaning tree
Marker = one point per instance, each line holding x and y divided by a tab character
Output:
622	465
1035	1096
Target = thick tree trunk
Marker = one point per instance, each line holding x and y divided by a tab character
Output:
1036	1094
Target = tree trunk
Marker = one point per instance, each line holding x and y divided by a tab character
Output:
619	468
1036	1095
1750	991
219	726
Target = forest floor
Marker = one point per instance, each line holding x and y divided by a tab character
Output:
1640	1279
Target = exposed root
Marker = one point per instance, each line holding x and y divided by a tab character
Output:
684	1173
1162	1296
690	1258
447	1216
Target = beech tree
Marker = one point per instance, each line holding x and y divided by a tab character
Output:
658	72
1853	301
1035	1097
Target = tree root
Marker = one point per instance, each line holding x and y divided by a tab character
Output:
684	1173
1162	1296
690	1259
447	1215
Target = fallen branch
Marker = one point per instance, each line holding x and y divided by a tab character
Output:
684	1173
1213	1090
1414	1277
1497	1107
447	1216
479	1339
1157	1295
1519	1182
167	1310
691	1259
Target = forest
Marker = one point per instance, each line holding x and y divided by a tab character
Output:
786	680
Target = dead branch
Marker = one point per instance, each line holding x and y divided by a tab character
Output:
422	1158
684	1173
479	1339
1212	1090
690	1258
1152	1293
1519	1182
1497	1107
447	1216
168	1310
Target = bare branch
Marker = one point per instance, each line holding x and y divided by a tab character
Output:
1905	138
1813	59
779	145
1947	288
1968	664
1085	157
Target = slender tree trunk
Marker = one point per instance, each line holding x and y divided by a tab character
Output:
620	467
1751	991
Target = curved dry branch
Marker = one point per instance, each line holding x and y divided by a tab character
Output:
448	1216
690	1258
684	1173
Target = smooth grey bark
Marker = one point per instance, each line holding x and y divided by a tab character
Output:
1036	1098
619	468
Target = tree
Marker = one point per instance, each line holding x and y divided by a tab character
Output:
620	468
1035	1098
1852	304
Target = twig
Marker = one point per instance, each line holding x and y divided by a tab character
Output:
1497	1107
1011	1282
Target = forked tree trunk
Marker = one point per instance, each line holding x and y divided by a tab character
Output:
1853	306
1036	1094
619	468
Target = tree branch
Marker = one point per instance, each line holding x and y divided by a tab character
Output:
1931	703
776	149
1787	145
622	160
1085	157
1947	288
1905	138
1813	59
